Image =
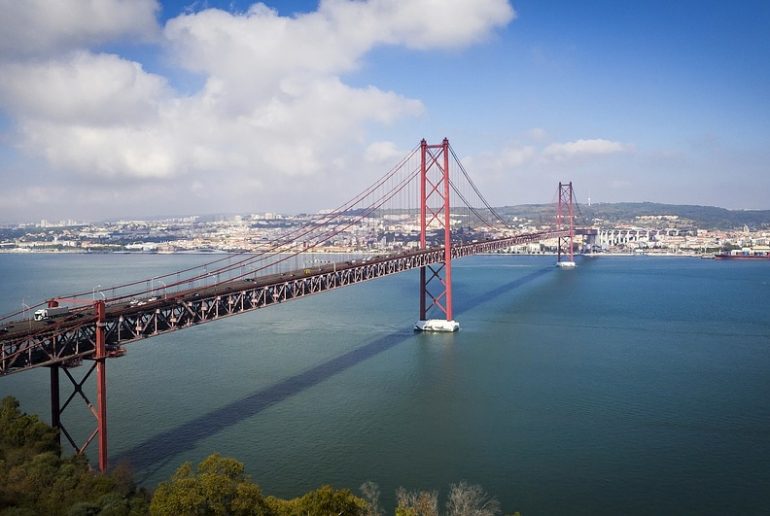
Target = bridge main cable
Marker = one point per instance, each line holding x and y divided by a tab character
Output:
276	246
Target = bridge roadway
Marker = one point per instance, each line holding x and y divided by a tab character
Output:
67	340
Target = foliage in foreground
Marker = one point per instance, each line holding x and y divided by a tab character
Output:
219	485
35	479
464	500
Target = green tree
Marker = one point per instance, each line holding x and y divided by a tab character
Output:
35	479
219	486
323	501
23	436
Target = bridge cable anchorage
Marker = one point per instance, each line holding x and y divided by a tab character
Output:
427	188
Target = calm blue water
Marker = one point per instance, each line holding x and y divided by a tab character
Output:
626	386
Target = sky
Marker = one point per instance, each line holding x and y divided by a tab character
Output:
139	108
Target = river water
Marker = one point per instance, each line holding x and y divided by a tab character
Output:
629	385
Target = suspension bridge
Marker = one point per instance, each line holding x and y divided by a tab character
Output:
428	187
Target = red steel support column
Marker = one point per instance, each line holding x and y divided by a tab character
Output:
558	224
423	215
565	209
447	234
423	200
55	401
101	385
571	225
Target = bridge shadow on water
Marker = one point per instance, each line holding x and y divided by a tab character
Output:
152	454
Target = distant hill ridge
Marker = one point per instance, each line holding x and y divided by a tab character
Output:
705	217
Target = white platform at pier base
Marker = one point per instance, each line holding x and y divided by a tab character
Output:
566	265
437	325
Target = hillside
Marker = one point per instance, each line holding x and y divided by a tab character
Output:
707	217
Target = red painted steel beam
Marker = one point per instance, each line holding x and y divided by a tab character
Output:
54	380
101	385
423	213
447	235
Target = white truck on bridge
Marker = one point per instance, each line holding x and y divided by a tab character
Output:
47	313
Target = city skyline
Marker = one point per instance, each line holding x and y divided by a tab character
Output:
137	109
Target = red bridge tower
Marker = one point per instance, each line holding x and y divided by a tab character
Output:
565	223
435	281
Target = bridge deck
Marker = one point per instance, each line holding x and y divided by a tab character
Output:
69	339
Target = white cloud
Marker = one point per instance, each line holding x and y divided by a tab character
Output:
34	27
516	156
530	172
273	110
261	53
103	152
82	89
577	148
421	24
383	152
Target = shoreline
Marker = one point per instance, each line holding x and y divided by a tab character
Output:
369	252
613	255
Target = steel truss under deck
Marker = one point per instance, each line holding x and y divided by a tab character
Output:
70	342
